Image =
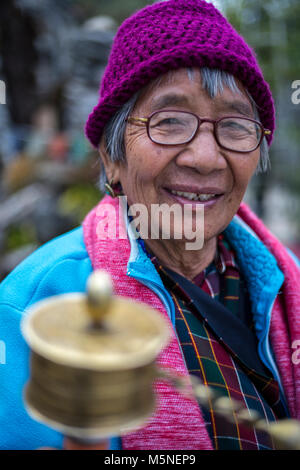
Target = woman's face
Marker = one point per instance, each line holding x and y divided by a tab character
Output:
154	174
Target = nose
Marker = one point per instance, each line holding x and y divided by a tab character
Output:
203	152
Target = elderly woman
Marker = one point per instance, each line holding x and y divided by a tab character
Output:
185	119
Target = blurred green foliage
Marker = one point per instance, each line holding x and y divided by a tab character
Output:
272	29
19	235
119	10
78	200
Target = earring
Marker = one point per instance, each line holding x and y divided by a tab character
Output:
109	190
113	190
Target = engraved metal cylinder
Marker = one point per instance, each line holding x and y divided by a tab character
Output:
92	368
85	403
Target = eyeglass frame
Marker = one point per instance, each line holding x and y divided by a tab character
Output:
200	121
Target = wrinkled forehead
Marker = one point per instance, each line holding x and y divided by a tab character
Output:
214	83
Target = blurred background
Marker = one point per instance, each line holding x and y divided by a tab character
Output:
52	56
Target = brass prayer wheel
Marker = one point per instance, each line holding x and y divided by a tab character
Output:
93	361
93	364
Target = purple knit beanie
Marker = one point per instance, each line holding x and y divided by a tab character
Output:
170	35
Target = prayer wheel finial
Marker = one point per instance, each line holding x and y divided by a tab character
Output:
99	296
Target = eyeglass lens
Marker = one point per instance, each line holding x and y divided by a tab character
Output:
175	127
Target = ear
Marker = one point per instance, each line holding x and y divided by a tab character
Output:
112	169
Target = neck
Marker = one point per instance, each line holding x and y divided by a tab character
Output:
174	256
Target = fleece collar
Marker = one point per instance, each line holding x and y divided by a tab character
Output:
258	266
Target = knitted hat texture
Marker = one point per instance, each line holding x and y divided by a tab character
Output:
167	36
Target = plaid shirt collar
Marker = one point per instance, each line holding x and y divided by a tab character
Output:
224	258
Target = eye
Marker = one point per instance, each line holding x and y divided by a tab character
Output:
232	125
238	127
167	122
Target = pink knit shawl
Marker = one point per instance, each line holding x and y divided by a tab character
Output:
178	423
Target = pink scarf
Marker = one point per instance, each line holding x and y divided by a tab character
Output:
178	423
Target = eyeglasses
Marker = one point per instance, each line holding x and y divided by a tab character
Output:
173	127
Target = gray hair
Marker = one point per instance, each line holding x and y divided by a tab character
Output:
213	81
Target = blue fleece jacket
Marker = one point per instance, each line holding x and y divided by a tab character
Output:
62	266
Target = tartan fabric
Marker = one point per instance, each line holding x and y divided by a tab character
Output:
220	370
214	362
222	280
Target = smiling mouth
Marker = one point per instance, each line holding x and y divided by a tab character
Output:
194	196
